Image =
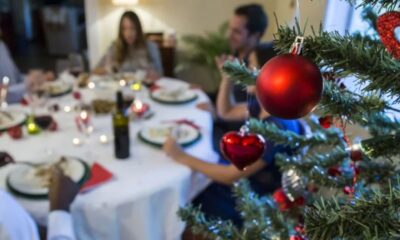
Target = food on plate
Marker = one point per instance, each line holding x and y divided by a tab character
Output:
56	87
43	172
5	117
173	94
101	106
83	80
162	132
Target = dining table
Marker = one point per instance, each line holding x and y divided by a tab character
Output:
147	189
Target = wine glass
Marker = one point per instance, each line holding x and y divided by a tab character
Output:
76	65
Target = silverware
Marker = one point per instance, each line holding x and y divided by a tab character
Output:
8	115
30	163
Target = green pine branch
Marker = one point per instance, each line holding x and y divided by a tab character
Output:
342	103
375	217
380	124
370	16
262	220
210	229
388	4
315	165
331	136
307	162
335	101
346	55
376	171
240	73
385	145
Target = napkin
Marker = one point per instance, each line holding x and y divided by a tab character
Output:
98	176
154	87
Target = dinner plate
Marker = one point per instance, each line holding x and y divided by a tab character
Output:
24	181
58	88
9	119
174	96
105	82
157	135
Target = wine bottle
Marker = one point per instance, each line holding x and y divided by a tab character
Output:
121	129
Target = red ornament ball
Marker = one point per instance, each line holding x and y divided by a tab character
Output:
348	190
326	122
280	196
296	237
242	149
386	25
77	95
284	202
356	155
15	132
334	171
289	86
299	228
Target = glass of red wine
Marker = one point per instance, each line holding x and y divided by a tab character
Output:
76	65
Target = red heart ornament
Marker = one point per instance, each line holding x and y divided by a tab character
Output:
386	24
242	149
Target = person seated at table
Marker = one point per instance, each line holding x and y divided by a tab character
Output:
246	28
16	223
19	84
264	176
131	51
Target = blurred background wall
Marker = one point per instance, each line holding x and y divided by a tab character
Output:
184	17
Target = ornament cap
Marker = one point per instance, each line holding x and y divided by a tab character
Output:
297	45
244	129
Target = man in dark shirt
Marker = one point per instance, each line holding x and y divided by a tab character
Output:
246	28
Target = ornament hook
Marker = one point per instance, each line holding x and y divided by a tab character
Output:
297	45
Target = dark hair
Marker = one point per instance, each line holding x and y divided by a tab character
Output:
257	20
121	49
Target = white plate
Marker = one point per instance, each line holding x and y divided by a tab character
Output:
18	118
58	88
158	134
104	82
175	96
23	179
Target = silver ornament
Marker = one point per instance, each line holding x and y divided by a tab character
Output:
293	185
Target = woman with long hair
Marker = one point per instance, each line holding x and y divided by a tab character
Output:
131	51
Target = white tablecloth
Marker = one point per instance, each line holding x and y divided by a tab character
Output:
142	201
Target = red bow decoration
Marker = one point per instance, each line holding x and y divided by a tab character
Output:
386	25
154	87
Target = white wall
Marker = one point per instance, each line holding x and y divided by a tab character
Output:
185	17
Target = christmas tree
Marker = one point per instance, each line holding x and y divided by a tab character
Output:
333	187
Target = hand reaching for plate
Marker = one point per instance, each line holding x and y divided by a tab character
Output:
35	79
62	190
